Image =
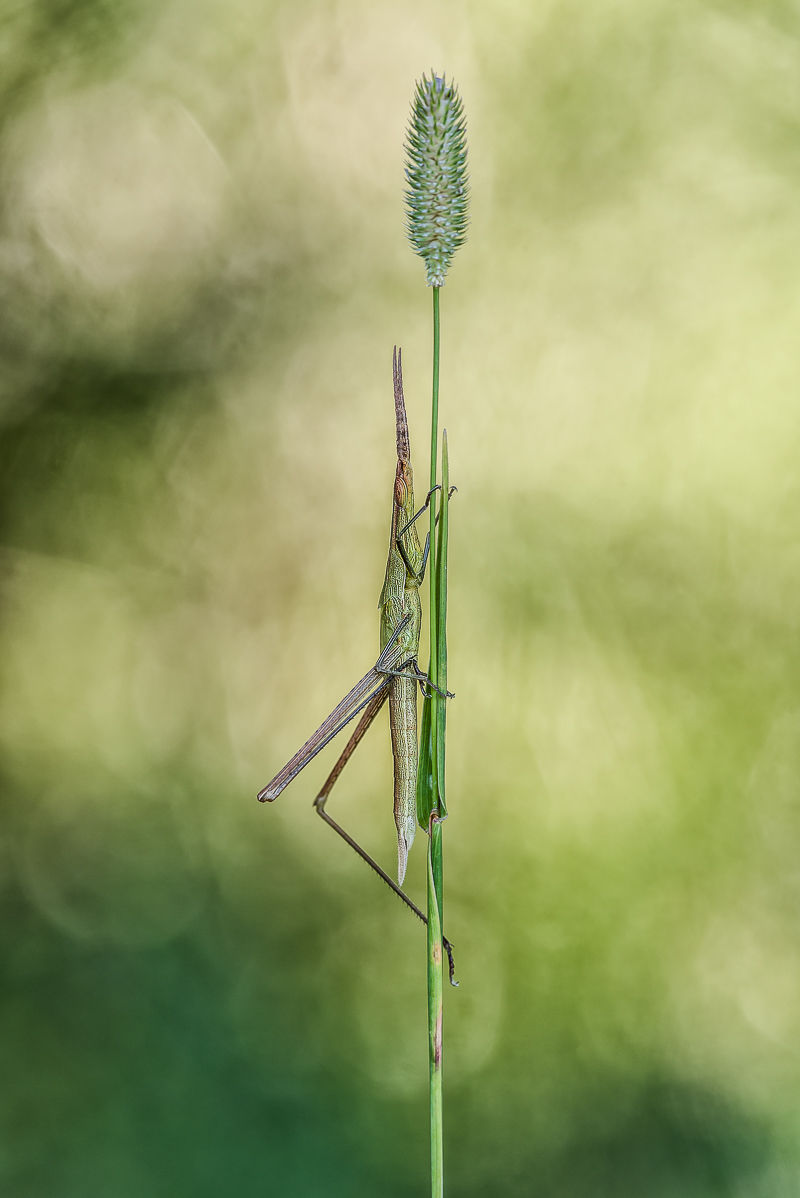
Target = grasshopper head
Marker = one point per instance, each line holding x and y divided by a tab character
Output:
404	486
403	446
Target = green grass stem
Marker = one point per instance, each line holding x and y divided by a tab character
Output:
432	757
437	199
435	1006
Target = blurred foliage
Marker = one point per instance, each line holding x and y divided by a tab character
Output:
203	271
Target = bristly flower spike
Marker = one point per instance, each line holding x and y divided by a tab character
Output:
437	197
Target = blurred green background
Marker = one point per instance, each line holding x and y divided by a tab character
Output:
203	272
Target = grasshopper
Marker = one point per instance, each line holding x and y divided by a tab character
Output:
394	676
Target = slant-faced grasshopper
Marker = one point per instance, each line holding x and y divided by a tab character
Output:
394	676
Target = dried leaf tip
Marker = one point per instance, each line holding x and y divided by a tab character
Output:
437	197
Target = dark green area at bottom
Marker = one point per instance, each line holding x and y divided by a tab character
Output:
123	1076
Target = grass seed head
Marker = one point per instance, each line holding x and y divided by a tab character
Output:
437	196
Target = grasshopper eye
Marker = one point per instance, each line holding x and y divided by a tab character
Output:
400	491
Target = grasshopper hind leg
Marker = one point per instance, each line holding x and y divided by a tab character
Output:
320	801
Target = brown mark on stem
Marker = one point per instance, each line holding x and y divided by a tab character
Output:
437	1042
